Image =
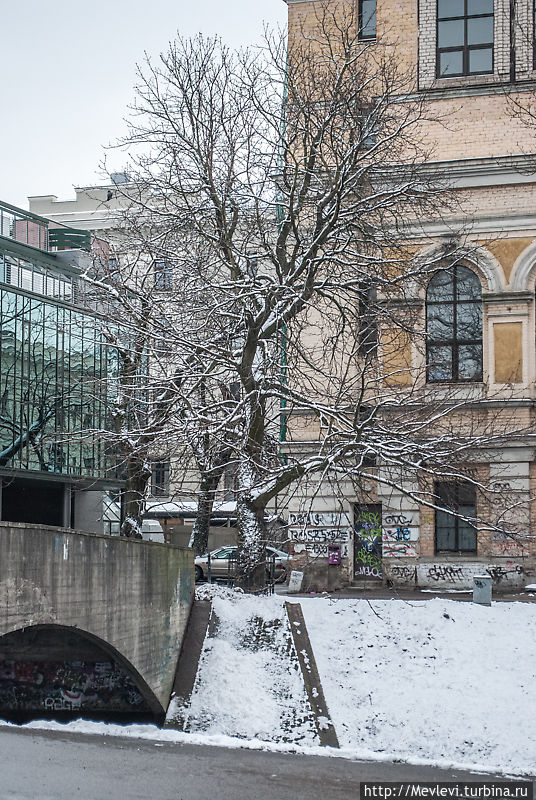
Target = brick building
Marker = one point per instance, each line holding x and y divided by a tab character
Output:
472	60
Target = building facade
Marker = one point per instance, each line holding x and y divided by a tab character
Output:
55	368
473	61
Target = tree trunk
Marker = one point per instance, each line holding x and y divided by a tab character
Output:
138	474
210	479
251	567
200	531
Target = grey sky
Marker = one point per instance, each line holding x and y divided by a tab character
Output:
68	71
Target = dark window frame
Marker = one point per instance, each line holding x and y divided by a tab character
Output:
448	496
456	342
367	334
160	478
364	24
163	275
465	48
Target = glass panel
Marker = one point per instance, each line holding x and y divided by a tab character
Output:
450	33
9	269
466	494
450	64
440	287
481	60
450	8
368	19
470	362
466	536
445	531
440	320
479	30
446	495
468	286
468	321
479	7
440	363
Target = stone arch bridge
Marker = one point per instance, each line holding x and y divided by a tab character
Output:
90	621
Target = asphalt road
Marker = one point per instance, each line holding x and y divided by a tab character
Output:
60	766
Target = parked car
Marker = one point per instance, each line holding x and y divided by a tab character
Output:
223	560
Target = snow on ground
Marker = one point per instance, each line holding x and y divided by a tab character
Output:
248	683
436	679
425	682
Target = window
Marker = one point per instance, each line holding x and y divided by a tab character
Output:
367	336
464	37
454	326
252	265
226	553
367	19
453	534
163	276
160	479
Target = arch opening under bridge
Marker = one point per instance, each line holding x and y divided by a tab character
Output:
60	671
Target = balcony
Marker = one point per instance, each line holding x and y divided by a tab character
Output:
23	227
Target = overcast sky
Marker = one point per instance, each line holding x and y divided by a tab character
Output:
67	74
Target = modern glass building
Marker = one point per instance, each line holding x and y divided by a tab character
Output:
54	368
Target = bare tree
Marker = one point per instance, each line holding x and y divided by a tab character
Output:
272	192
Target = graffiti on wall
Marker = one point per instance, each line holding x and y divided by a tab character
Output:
318	529
506	573
368	543
401	573
503	545
397	541
68	686
400	532
460	576
315	519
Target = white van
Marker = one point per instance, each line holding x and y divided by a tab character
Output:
151	531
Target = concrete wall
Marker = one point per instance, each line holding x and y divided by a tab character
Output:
134	596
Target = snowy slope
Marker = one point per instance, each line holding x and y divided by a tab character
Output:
436	680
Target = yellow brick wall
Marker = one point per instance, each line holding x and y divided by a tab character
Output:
463	127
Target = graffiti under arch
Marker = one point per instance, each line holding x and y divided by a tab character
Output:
51	669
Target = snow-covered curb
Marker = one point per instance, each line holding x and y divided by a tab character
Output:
157	735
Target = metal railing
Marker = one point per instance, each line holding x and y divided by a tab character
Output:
23	227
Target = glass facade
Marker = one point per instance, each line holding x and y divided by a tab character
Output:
20	226
23	273
55	370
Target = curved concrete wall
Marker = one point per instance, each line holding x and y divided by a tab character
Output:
133	595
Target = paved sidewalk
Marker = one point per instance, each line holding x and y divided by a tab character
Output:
383	593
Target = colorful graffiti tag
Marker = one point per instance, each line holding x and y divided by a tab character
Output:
68	686
368	543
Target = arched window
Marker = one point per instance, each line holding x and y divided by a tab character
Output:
454	326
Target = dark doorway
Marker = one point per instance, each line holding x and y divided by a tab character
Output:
26	500
368	542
